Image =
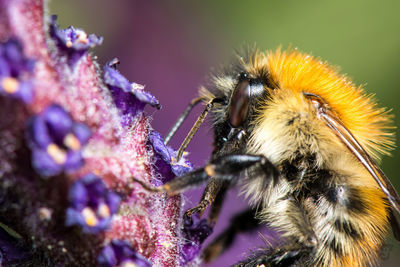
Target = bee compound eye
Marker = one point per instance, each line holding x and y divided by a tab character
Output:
239	104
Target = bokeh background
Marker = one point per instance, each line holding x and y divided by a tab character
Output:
171	47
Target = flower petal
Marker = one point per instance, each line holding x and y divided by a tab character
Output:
25	92
58	122
113	201
38	132
165	163
96	188
107	257
74	217
129	98
159	147
74	161
146	97
78	196
4	67
44	164
195	231
113	77
82	132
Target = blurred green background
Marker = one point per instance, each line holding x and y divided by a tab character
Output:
170	46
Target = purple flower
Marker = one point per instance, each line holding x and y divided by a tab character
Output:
56	141
121	253
195	231
166	163
92	204
15	71
130	98
74	42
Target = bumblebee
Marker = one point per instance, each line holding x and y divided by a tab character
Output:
302	142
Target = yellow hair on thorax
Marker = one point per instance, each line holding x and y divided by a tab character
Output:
292	70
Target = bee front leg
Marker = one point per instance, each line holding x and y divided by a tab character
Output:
224	171
284	256
217	204
210	193
178	185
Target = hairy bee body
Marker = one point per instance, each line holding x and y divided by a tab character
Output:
301	141
324	201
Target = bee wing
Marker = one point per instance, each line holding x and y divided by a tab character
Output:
354	146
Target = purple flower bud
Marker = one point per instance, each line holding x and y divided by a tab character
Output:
195	231
56	141
130	98
121	253
73	42
165	156
92	204
15	71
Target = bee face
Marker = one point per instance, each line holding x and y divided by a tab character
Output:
301	141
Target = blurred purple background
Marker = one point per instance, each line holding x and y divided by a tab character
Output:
171	48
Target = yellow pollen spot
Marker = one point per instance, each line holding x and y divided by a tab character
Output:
166	187
210	169
128	264
166	244
82	37
136	86
57	154
72	142
90	216
69	43
10	85
103	210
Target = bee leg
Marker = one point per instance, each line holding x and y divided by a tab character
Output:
217	204
285	256
178	185
225	170
242	222
230	166
182	118
211	191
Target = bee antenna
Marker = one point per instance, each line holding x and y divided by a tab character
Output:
196	127
181	119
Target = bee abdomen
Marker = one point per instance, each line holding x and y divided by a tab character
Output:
350	222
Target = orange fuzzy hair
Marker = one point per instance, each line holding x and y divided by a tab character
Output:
358	111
